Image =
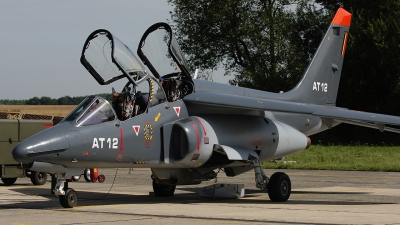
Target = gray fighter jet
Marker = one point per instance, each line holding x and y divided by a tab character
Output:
185	129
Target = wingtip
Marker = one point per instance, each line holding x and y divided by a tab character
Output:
342	18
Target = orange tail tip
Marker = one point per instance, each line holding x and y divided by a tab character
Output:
342	18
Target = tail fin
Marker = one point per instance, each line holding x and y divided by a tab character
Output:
320	82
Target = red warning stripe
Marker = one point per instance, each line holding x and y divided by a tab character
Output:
121	136
204	130
346	36
48	124
197	136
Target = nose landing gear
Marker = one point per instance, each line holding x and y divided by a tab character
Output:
67	196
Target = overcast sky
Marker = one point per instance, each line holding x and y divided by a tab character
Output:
41	42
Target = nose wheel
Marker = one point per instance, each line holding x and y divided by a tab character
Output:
67	196
70	199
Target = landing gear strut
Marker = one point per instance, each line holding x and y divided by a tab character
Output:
67	196
279	186
162	190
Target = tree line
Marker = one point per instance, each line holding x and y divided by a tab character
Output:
66	100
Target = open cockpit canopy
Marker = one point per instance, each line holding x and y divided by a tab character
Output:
108	59
160	52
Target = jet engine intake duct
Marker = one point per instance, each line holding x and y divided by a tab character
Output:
179	142
191	142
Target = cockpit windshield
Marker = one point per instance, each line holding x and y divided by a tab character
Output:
98	112
79	109
92	110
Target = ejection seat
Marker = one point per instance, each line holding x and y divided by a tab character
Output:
123	103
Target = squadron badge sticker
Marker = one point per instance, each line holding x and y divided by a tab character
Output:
148	135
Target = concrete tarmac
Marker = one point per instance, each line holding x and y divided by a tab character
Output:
318	197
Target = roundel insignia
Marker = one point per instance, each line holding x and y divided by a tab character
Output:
148	132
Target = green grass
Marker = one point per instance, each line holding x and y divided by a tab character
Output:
365	158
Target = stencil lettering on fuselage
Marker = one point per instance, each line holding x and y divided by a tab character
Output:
318	86
111	143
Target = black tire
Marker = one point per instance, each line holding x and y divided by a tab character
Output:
86	175
279	187
38	178
101	178
70	199
8	181
161	190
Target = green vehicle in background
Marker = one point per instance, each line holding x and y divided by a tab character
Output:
14	128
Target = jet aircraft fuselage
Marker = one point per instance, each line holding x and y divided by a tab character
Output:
187	130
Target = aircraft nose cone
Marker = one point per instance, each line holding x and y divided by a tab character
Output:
19	154
41	146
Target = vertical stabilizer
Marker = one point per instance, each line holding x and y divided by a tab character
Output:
320	82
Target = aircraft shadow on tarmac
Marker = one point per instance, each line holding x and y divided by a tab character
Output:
190	195
331	192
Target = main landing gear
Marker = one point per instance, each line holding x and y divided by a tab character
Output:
279	186
162	190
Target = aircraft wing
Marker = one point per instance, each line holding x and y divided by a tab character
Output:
224	100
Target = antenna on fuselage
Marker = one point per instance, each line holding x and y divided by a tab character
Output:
196	72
